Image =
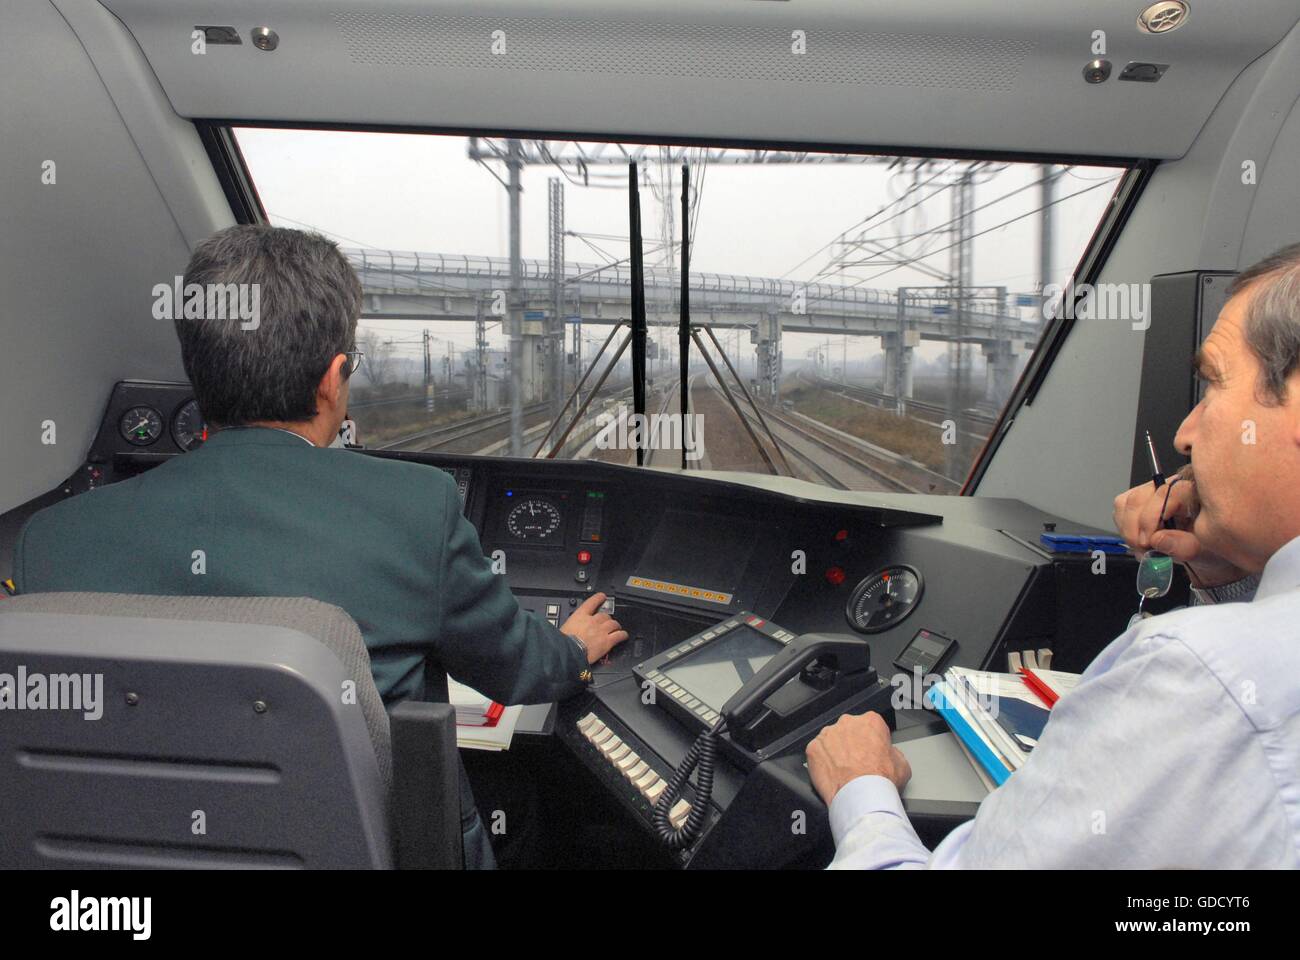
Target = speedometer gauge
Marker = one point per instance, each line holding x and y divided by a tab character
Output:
884	599
534	520
188	428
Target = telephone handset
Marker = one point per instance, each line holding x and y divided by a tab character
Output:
798	684
793	690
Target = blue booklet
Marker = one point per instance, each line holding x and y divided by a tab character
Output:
1023	721
952	707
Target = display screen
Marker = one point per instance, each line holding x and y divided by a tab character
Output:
928	646
699	550
714	672
925	650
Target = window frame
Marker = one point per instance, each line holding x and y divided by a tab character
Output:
246	206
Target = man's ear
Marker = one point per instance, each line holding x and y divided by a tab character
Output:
1292	405
331	384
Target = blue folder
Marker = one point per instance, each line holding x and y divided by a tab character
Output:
940	697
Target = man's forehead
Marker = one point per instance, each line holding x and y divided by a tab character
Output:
1212	348
1224	336
1208	359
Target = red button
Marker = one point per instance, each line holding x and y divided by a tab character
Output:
834	576
584	556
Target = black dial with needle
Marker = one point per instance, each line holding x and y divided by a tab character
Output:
533	519
141	426
884	599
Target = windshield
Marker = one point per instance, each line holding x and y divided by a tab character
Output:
860	320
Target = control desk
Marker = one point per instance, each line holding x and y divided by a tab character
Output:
718	580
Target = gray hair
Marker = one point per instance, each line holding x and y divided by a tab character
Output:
309	301
1272	324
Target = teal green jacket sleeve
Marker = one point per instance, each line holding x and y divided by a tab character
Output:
485	640
18	575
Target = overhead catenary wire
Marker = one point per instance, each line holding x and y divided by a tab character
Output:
913	260
939	229
977	167
866	220
981	233
322	230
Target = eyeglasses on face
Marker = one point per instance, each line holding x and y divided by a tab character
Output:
353	361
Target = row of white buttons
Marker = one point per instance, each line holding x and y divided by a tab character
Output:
680	693
624	758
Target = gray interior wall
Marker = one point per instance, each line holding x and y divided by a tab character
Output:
79	257
1002	75
1070	452
1275	213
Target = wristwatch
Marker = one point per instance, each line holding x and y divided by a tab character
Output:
586	676
1239	591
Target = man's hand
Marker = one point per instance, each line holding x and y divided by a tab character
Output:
1137	519
852	747
599	631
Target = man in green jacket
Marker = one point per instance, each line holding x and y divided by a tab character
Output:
264	509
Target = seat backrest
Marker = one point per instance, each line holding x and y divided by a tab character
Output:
189	732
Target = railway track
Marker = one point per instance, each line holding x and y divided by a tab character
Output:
442	395
449	433
896	471
669	405
975	418
436	437
884	469
857	462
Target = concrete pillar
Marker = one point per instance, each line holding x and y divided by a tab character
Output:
1000	357
910	339
532	358
898	362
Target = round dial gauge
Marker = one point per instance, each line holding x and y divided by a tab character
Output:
141	426
533	520
188	428
884	599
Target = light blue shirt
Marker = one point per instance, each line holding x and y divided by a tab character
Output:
1179	748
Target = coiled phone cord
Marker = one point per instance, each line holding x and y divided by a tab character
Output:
700	755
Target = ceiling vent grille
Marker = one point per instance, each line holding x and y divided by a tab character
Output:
1163	17
707	51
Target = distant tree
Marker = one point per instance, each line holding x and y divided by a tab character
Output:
378	356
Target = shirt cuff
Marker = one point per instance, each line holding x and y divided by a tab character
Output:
859	797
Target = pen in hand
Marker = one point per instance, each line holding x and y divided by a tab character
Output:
1158	478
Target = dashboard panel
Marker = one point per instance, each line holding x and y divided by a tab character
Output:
146	422
677	551
919	578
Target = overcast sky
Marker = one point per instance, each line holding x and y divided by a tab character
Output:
422	192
